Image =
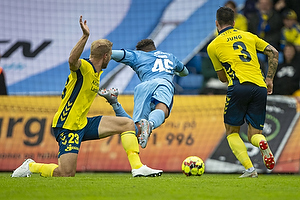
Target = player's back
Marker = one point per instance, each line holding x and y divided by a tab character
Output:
153	64
236	52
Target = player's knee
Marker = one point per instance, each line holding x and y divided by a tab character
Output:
167	113
68	174
128	124
59	172
231	129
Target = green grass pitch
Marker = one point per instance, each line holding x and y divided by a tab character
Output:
168	186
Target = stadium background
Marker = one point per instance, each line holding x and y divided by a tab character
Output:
35	43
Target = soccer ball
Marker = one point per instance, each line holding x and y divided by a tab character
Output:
193	166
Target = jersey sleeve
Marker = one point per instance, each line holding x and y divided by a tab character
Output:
179	66
211	50
130	58
84	67
118	55
260	43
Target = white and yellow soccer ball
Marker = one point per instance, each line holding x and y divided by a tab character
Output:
193	166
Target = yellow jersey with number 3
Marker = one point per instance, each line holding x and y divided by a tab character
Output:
235	51
80	91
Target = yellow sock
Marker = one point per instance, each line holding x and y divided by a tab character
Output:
255	139
131	146
46	170
239	149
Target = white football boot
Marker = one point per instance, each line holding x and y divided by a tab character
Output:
146	172
23	170
252	174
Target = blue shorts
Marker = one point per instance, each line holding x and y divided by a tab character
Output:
245	101
148	94
69	141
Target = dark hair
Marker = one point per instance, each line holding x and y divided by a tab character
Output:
146	45
225	16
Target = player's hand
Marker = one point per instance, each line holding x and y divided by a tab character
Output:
269	83
85	29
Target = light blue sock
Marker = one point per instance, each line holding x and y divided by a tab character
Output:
119	111
157	116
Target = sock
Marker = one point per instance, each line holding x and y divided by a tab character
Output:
239	149
46	170
157	116
116	105
119	111
130	144
255	139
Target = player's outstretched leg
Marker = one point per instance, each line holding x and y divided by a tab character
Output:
252	174
146	171
23	170
146	129
111	95
267	154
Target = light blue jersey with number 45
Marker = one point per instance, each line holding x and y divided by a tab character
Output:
153	64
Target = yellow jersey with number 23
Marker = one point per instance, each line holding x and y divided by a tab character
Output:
80	91
235	51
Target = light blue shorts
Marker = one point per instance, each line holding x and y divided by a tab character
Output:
148	94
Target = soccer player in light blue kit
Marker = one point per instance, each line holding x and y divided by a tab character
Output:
153	97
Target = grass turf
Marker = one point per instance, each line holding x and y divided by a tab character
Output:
168	186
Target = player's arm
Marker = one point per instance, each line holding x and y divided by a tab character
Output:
272	54
126	57
222	76
74	61
216	63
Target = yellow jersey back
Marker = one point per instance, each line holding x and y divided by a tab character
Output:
235	51
78	95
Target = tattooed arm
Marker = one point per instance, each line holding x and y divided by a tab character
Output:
272	54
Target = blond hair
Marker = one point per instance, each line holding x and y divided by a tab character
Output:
100	47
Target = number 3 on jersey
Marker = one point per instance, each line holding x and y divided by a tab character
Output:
246	57
161	65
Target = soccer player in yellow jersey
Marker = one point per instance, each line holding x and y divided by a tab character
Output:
234	56
71	125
